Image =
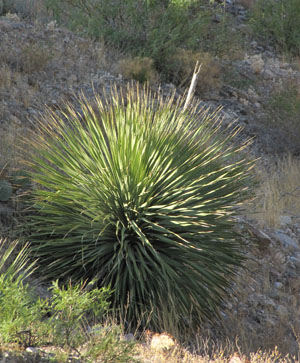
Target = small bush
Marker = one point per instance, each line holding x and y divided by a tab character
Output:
17	311
282	119
183	63
140	195
140	69
278	22
33	58
73	312
70	308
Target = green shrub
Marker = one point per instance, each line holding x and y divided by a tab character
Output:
278	22
140	195
17	311
77	325
70	308
143	28
73	311
152	29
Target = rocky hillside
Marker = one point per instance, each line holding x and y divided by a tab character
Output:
43	63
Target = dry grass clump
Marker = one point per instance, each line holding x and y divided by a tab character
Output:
183	65
279	192
180	70
141	69
33	58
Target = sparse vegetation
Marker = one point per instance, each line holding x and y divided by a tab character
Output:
32	58
282	119
24	8
279	193
153	30
278	22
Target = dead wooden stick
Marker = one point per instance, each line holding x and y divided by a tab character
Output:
192	85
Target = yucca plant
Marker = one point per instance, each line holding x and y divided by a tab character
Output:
139	194
14	269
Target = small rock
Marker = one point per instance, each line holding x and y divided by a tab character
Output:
252	95
285	220
51	26
12	17
128	337
295	261
269	304
263	239
244	102
286	240
289	232
217	18
162	342
243	111
278	285
14	119
279	258
235	359
282	312
268	74
242	17
256	63
32	350
284	65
